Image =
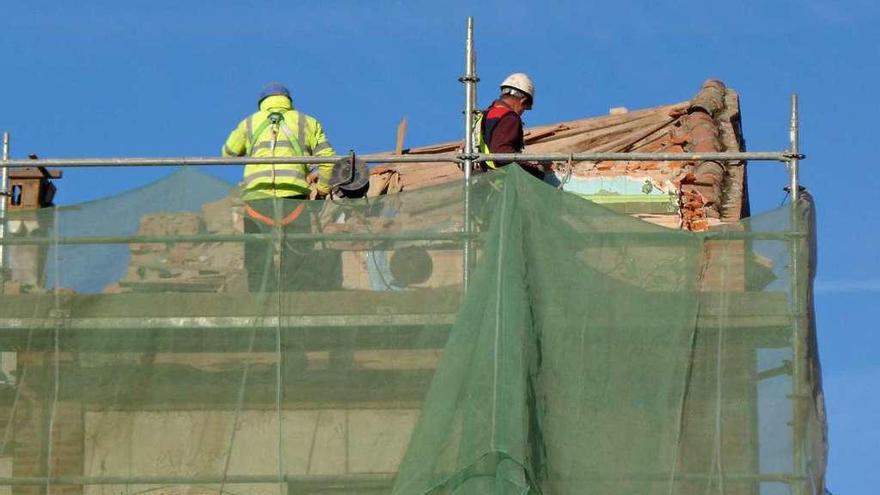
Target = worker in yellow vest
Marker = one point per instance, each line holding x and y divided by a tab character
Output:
275	194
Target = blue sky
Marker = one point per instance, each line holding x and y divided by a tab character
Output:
171	78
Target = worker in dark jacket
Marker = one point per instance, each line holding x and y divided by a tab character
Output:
501	126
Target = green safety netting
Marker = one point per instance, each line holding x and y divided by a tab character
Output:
169	341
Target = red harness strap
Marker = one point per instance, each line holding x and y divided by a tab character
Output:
271	222
497	111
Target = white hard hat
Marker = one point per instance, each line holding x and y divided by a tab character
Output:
521	82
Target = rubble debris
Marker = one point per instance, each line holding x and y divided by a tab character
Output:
384	181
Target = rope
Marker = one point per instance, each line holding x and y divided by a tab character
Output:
279	384
244	374
569	166
56	361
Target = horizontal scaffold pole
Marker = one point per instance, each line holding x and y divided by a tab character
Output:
781	156
637	157
279	235
670	235
360	480
350	481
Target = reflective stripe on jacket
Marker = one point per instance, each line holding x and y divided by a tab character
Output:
296	134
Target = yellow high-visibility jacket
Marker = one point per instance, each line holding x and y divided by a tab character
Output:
294	134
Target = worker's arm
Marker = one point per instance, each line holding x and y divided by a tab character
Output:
507	138
236	143
320	146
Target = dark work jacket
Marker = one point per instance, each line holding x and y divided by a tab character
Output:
502	129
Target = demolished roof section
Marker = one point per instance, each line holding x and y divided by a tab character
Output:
708	193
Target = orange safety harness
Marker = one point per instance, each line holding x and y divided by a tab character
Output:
271	221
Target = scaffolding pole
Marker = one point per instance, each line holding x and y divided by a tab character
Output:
793	162
349	481
470	89
470	97
776	156
798	321
4	198
657	237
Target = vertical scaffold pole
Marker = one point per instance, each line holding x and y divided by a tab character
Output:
4	198
793	148
470	95
797	296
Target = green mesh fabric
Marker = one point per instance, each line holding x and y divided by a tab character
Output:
183	348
